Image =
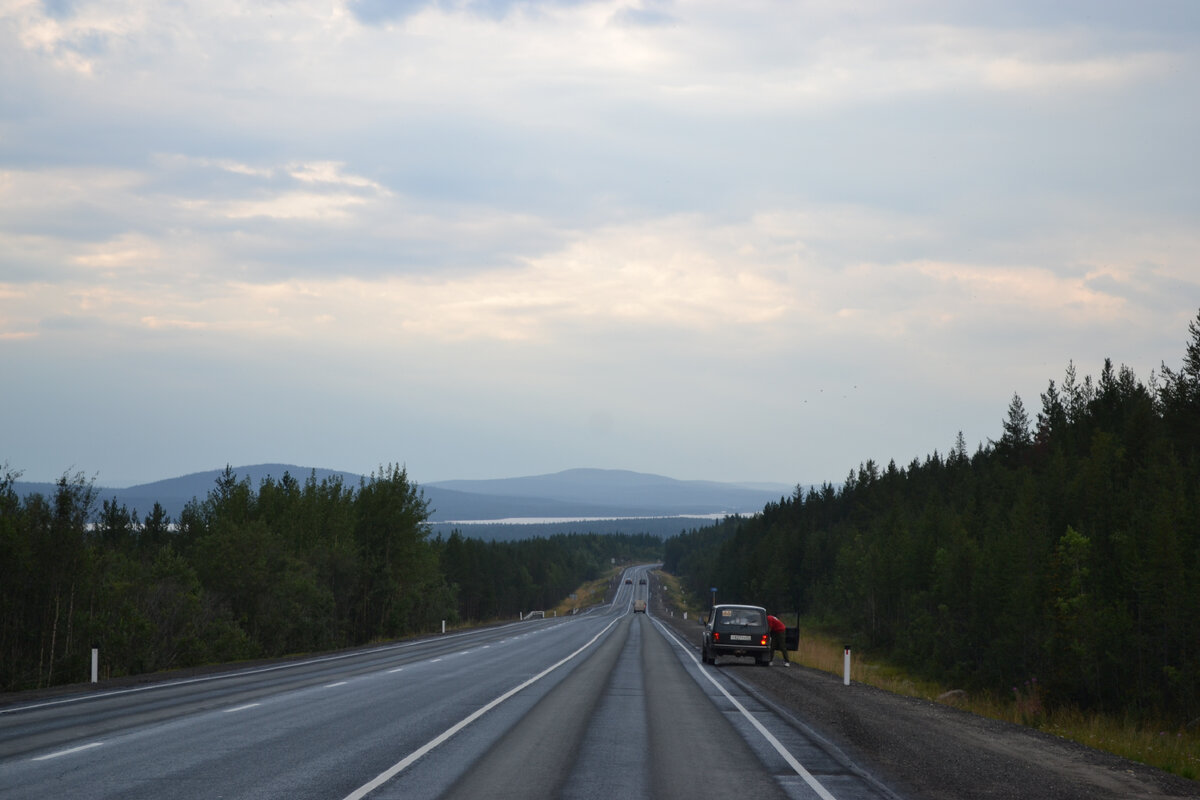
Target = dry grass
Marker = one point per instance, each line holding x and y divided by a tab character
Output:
1172	749
673	596
589	594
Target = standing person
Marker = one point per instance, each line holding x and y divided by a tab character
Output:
778	637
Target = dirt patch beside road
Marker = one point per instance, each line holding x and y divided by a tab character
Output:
925	750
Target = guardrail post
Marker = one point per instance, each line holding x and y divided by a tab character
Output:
95	665
846	677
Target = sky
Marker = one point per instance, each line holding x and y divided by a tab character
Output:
731	241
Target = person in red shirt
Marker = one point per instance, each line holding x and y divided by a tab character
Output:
778	640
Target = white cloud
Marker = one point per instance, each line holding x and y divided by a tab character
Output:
128	251
565	193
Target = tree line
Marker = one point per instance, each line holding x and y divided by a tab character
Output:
1064	554
289	567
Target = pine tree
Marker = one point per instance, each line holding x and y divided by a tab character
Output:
1016	435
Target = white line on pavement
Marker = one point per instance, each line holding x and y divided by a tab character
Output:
816	786
406	762
68	752
240	673
242	708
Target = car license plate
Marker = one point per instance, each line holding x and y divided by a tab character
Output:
740	637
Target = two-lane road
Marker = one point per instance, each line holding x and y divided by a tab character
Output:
598	705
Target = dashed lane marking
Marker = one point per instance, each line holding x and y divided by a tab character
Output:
68	752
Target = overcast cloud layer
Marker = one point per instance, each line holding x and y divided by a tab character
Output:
486	238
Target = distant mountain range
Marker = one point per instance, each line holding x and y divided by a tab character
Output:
572	494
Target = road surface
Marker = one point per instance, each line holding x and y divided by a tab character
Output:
597	705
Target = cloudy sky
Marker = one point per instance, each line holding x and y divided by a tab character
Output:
744	241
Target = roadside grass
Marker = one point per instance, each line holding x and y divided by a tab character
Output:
1173	749
589	594
673	597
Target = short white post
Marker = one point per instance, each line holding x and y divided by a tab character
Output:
846	677
685	615
443	626
95	665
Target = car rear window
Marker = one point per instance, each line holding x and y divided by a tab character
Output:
740	618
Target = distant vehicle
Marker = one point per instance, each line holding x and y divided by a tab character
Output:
735	630
642	581
639	606
629	581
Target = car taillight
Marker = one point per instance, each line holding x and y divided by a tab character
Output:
716	636
763	640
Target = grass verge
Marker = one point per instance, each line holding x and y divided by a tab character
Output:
589	594
1175	750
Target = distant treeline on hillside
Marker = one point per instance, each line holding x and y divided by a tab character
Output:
288	567
1062	558
512	531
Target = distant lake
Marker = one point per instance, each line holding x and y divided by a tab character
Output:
556	520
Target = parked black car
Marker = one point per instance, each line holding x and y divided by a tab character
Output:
734	630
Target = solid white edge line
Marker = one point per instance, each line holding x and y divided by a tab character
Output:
813	783
405	763
68	752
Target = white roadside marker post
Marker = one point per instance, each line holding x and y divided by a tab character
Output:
846	676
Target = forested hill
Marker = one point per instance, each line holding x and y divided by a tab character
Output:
570	494
1062	557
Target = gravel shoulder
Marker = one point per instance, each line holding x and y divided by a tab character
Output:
931	751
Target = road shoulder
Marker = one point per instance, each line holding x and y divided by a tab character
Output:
928	750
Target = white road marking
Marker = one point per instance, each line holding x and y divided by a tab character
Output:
816	786
397	669
406	762
68	752
238	673
331	685
241	708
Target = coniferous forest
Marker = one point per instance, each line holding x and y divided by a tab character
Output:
1065	553
286	568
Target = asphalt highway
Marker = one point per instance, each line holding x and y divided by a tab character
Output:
602	704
